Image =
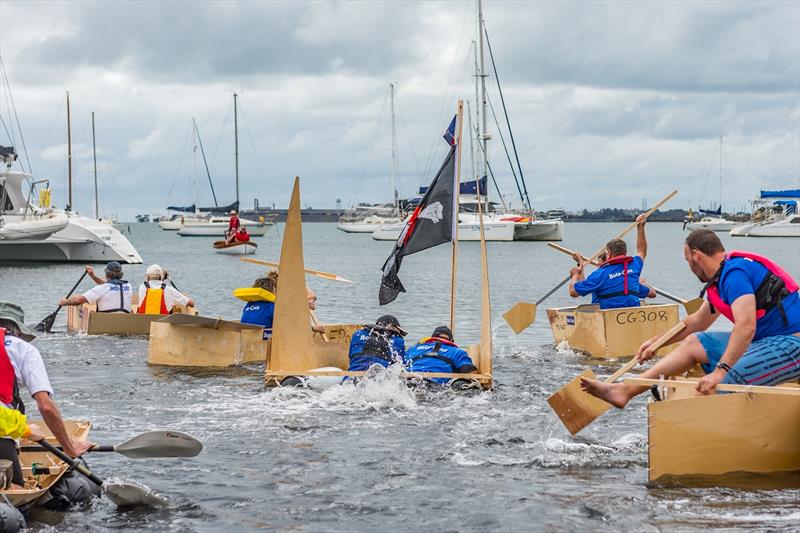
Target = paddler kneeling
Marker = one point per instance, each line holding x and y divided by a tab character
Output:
111	295
439	353
377	344
616	282
157	296
761	300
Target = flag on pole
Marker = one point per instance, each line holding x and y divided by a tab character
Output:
450	133
431	224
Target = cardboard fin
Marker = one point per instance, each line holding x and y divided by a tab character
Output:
520	316
575	408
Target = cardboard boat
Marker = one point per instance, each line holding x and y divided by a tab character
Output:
197	341
611	333
36	486
694	438
297	351
85	319
235	248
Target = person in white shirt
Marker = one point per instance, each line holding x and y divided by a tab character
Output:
157	295
21	365
113	294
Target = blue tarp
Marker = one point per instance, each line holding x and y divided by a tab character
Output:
787	193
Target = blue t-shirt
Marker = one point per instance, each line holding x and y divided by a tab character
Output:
741	276
391	348
260	314
415	360
609	280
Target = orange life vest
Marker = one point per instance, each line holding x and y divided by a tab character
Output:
154	303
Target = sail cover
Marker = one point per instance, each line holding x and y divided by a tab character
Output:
787	193
716	212
187	209
467	187
221	208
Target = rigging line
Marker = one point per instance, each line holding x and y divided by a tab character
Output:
205	163
252	144
505	148
708	176
408	135
221	133
491	173
371	151
505	112
180	162
16	116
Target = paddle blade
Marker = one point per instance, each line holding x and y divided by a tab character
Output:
46	324
575	408
160	444
520	316
127	494
692	306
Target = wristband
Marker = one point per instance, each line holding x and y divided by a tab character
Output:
724	366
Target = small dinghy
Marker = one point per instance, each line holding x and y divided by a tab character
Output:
235	248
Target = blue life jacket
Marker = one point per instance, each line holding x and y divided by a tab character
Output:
371	345
260	313
437	355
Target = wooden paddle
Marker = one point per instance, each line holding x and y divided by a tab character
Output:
47	322
121	493
577	409
725	387
147	445
523	314
691	306
318	273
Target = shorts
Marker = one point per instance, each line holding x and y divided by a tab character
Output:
767	361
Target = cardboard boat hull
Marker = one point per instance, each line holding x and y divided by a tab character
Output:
84	319
611	333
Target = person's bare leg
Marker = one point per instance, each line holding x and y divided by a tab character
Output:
684	357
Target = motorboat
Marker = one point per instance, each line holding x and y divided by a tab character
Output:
218	226
366	223
75	238
772	218
31	226
527	227
785	227
713	223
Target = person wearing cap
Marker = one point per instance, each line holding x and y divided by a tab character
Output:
21	365
438	353
112	295
233	226
157	296
377	344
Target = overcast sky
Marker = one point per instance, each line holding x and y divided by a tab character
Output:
610	103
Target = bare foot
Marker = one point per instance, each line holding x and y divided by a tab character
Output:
605	391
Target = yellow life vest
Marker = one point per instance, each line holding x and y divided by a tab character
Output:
253	294
154	303
13	423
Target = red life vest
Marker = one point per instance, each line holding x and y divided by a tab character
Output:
242	235
776	286
623	260
149	306
9	392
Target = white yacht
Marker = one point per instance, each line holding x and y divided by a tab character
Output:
218	226
527	227
714	223
366	219
74	238
777	219
468	230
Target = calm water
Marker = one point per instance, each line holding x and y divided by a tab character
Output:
378	457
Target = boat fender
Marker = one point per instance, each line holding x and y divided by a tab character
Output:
11	520
253	294
72	489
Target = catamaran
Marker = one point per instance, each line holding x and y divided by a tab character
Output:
774	215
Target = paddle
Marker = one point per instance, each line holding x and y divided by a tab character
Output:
121	493
691	306
318	273
47	322
577	409
523	314
149	444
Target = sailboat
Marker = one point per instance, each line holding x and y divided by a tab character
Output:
298	353
775	214
713	219
367	219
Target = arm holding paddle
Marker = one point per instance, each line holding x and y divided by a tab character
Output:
641	237
77	299
52	417
97	279
699	321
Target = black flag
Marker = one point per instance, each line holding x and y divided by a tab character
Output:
430	225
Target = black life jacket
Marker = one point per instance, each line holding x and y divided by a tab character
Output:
121	283
378	344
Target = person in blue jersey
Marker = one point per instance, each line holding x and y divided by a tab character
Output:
262	312
377	344
615	283
750	290
439	353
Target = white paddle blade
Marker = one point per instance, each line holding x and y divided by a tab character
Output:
160	444
128	494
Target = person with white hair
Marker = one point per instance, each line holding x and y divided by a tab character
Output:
157	296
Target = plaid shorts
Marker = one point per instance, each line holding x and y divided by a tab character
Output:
768	361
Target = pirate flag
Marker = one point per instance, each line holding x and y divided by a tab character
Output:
431	224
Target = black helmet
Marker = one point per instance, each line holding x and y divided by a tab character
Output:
389	320
443	332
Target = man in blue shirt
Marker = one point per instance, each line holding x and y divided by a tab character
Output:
439	353
377	344
616	282
761	300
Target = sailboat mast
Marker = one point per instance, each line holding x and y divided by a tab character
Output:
456	194
194	162
482	111
394	152
236	144
94	159
475	134
69	158
720	174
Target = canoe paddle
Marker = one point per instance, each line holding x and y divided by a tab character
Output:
523	314
47	322
577	409
318	273
691	306
121	493
149	444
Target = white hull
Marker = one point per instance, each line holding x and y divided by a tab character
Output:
170	225
83	240
15	227
539	230
783	228
712	223
242	248
367	224
218	229
467	231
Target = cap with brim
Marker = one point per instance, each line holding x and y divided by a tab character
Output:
14	313
113	266
443	332
390	320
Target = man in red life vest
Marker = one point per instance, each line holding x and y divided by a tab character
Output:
242	235
233	226
751	291
616	282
